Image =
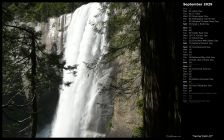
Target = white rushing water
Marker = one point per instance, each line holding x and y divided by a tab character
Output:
79	111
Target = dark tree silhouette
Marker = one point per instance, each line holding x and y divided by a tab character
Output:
159	80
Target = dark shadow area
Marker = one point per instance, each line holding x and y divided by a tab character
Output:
160	73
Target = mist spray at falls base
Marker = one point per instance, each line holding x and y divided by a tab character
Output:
84	107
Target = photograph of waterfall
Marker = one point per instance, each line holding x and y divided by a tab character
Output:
94	69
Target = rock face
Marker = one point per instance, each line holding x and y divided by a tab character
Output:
127	92
54	32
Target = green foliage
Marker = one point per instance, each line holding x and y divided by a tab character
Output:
123	29
40	11
110	125
16	47
15	66
140	106
138	132
11	129
140	103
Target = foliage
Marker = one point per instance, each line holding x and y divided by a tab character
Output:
17	75
110	125
40	11
138	132
123	28
140	106
16	103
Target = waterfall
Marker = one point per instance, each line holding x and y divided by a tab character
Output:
83	106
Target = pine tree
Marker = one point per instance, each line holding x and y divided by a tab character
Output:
24	69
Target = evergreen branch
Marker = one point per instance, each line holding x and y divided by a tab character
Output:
21	60
9	103
23	105
20	121
42	51
20	28
17	121
24	128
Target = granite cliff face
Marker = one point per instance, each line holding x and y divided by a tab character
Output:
124	38
54	32
127	96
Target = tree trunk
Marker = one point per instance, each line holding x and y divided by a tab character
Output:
33	86
158	68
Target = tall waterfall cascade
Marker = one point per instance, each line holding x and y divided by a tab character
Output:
84	107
